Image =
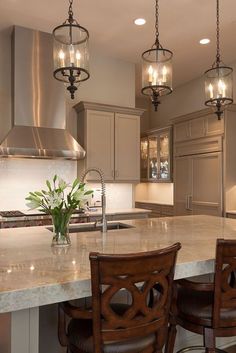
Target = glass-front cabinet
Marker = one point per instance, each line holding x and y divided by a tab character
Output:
144	158
156	155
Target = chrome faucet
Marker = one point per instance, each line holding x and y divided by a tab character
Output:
103	222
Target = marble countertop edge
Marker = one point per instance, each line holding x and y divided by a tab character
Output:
71	290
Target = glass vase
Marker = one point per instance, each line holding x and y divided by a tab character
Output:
61	235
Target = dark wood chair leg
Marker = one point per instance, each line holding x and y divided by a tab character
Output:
209	340
169	347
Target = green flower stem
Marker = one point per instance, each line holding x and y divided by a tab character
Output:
61	220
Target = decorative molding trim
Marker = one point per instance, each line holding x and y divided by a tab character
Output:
156	131
199	114
107	108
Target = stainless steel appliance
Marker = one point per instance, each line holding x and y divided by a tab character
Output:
37	128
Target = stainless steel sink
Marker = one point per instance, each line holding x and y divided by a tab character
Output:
92	228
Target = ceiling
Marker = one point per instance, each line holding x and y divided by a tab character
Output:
112	32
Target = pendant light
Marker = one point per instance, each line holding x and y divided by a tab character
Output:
156	68
70	51
218	79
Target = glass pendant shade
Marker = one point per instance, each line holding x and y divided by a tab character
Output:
156	68
70	53
219	78
219	86
156	73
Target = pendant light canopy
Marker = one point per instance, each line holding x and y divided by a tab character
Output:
156	68
218	79
70	51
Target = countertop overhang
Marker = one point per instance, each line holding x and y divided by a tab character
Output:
32	273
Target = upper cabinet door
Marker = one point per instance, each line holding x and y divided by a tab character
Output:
197	128
181	131
144	159
204	126
100	143
153	158
127	147
165	156
214	126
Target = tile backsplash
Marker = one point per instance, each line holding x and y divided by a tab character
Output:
19	176
117	195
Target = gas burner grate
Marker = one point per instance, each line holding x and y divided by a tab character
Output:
11	213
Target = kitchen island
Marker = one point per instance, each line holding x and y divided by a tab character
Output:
33	274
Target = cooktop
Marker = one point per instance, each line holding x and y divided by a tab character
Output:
11	213
16	213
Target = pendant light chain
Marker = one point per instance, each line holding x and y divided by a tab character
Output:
70	11
157	43
217	33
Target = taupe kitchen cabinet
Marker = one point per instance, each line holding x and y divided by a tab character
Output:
110	136
157	209
204	163
198	184
194	128
156	155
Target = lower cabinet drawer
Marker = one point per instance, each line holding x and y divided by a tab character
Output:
158	210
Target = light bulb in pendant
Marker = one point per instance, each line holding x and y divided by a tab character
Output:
150	72
164	73
154	82
210	87
78	57
72	55
61	56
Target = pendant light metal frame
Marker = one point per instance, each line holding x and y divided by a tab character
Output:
218	71
72	74
157	55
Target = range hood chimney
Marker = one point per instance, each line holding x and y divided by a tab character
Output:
38	126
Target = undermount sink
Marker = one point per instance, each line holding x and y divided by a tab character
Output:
92	228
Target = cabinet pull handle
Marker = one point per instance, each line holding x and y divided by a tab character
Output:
117	173
187	202
190	202
113	173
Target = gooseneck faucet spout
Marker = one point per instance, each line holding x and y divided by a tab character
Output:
103	222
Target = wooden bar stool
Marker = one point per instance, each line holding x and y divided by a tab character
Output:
208	309
113	327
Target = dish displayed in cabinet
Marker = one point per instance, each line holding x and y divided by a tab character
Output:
156	155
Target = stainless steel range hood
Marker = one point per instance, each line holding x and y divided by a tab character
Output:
38	125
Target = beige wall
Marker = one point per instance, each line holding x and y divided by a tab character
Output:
112	81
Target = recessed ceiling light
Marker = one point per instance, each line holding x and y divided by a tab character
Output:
204	41
140	21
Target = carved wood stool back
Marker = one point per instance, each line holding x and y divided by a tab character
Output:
208	309
138	274
225	284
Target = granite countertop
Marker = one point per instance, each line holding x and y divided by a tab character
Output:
32	273
95	211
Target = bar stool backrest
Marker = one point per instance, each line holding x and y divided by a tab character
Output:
225	283
137	274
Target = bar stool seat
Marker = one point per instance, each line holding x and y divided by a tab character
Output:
197	307
80	333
